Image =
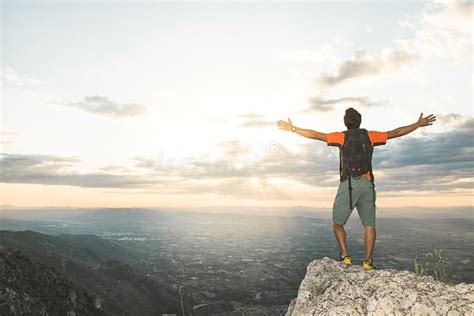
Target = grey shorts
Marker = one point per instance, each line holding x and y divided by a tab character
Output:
362	199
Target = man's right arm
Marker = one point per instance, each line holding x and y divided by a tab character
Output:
404	130
308	133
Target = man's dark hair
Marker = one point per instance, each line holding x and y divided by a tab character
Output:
352	118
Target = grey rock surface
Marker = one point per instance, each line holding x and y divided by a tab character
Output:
334	288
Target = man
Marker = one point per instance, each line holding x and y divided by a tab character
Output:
356	191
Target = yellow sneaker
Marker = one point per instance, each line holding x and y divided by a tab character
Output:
368	265
345	259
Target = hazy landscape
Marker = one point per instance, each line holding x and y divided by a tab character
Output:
154	261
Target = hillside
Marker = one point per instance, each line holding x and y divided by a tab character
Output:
122	289
333	288
28	287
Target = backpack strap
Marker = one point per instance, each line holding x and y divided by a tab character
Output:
340	164
350	192
347	174
372	177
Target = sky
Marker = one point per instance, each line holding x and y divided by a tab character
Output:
175	104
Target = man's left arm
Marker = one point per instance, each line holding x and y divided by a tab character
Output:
404	130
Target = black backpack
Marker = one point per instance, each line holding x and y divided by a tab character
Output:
355	157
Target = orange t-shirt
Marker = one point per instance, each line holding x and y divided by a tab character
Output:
376	138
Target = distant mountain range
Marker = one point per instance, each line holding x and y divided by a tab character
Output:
144	214
91	265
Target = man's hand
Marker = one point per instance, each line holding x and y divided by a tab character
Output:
286	126
308	133
425	121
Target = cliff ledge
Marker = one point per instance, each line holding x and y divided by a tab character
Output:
333	288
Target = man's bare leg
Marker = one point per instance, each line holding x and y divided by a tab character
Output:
340	234
369	241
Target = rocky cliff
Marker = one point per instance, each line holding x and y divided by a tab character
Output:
333	288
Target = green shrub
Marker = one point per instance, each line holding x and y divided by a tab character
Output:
433	264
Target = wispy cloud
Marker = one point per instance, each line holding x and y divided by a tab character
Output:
319	104
241	161
11	77
253	120
101	105
56	170
442	28
251	116
234	148
258	123
364	64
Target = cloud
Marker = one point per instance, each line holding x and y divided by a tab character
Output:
234	148
99	105
454	146
12	78
241	161
452	119
437	163
318	104
55	170
253	120
258	123
103	106
224	178
364	64
251	116
441	28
